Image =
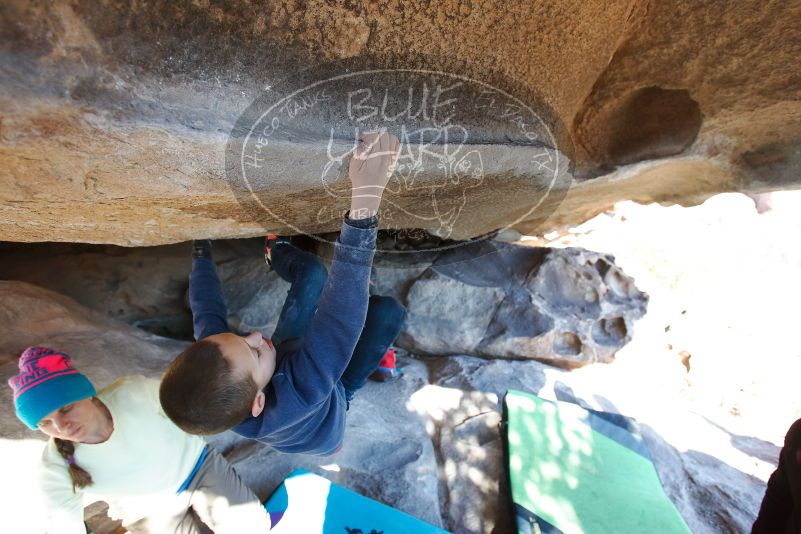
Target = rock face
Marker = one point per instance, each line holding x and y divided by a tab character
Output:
428	444
143	287
116	122
567	307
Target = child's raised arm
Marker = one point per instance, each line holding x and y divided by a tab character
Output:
369	171
334	331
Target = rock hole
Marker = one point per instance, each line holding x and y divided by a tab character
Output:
654	123
610	332
650	122
618	283
602	266
567	344
561	284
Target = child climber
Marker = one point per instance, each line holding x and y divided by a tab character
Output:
292	391
117	445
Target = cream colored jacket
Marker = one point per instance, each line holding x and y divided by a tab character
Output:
139	468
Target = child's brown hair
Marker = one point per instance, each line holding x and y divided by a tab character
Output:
202	393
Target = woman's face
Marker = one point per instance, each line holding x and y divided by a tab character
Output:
73	422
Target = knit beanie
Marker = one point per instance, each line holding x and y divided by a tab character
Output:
46	382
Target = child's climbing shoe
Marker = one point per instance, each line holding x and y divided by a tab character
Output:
387	369
201	248
269	244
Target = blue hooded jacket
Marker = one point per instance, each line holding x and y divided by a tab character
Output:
305	406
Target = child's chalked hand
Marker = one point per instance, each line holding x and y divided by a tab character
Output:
373	162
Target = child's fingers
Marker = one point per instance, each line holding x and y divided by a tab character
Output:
379	144
367	144
386	141
388	145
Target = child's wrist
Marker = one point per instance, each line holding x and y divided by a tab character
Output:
361	213
364	224
363	207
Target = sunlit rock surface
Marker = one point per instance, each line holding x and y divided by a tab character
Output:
115	120
568	307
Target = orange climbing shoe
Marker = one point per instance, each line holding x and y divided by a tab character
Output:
387	369
269	243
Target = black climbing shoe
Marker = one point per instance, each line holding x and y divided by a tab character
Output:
201	248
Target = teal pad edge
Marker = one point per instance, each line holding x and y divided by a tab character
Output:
309	503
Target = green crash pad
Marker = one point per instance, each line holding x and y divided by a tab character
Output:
574	470
306	503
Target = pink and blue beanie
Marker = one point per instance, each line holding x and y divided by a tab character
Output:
46	382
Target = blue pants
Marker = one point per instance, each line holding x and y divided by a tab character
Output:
307	276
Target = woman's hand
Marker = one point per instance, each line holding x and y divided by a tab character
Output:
369	170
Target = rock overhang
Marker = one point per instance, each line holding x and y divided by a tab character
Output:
115	122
